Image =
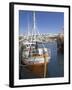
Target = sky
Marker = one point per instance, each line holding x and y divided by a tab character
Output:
46	22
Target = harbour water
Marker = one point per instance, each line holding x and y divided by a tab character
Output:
55	66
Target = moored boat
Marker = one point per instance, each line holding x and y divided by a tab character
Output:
34	57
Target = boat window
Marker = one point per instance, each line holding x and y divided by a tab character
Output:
32	45
33	51
27	45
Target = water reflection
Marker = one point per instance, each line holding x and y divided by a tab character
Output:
56	65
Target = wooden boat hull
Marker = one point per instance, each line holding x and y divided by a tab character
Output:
38	69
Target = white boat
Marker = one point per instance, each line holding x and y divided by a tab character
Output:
36	58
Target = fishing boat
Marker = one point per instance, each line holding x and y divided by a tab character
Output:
34	54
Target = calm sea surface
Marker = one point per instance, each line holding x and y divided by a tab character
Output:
56	64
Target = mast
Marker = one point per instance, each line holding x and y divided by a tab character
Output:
28	33
34	26
34	19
